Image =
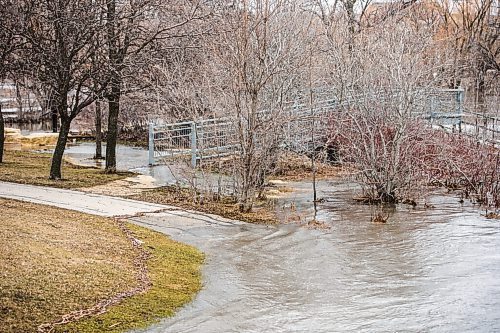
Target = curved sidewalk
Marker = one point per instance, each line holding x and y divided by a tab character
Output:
80	201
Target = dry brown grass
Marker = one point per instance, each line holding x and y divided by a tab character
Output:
226	207
317	225
55	261
493	215
292	167
33	168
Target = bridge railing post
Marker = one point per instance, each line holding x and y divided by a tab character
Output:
193	145
151	143
460	107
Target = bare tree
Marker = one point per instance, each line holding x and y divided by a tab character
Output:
98	130
470	31
59	45
261	58
9	43
99	57
381	84
132	28
352	12
2	134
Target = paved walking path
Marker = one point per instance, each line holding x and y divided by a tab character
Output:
83	202
205	231
104	205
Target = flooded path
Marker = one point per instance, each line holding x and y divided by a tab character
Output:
426	270
128	158
435	270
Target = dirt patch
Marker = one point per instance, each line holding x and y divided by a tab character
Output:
291	166
129	186
317	225
277	189
225	206
493	215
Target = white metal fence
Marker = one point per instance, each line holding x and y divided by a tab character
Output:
195	140
209	138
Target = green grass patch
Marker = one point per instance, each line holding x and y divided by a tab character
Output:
174	270
33	168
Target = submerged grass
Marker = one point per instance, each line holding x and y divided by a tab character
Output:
33	168
55	261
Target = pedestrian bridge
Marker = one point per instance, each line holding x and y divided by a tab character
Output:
217	137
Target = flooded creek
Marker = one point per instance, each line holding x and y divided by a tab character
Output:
426	270
434	270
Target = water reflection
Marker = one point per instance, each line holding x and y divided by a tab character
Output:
27	128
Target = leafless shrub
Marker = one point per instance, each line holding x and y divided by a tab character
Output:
463	163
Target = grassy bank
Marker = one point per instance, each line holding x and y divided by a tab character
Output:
33	168
55	261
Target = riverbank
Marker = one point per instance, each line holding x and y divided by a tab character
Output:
57	264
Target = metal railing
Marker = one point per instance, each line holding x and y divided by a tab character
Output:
207	138
215	137
483	127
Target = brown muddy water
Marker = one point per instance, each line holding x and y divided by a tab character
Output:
426	270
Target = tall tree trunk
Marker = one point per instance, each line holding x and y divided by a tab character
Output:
53	113
57	157
19	100
480	91
351	22
98	131
115	94
111	138
2	134
249	177
247	198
